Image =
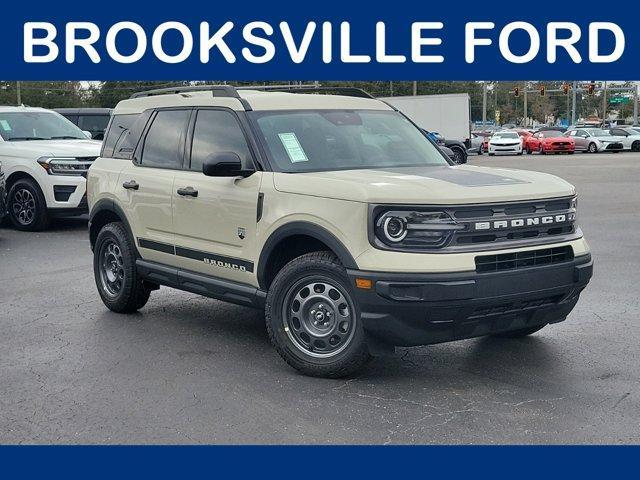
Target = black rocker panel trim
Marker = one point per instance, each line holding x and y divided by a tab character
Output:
210	257
158	246
224	261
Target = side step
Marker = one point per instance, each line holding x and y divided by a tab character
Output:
208	286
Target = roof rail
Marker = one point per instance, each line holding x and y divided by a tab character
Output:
348	91
216	90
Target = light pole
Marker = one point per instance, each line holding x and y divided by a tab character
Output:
484	104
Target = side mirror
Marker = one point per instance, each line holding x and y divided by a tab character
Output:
87	134
224	164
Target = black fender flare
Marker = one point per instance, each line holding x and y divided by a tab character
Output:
303	228
108	205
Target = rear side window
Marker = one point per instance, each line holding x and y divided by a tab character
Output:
119	125
164	143
218	131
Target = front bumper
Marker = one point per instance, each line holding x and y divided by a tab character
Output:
421	309
558	148
611	147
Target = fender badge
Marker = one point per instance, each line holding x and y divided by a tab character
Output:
241	233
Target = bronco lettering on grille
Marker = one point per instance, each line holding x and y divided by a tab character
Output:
524	222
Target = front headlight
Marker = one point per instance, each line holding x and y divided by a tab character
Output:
64	166
409	229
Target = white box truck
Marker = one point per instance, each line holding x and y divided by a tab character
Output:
449	114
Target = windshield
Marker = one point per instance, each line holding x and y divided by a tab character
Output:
313	141
23	126
550	134
506	135
596	132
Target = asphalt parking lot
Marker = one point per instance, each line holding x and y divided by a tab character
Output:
187	369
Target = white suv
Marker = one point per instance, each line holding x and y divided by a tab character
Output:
45	159
334	214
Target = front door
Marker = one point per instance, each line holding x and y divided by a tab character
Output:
215	217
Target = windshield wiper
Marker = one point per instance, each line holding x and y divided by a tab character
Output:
12	139
65	137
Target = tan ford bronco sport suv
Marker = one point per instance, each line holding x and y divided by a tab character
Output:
334	214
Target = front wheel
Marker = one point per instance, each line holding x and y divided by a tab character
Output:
635	146
460	156
114	268
593	148
313	320
27	206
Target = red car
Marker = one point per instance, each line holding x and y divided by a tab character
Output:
549	141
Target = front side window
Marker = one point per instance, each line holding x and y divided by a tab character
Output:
26	126
326	140
218	131
164	143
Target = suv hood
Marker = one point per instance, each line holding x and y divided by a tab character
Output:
438	185
53	148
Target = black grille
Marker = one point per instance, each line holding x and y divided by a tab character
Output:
531	258
489	214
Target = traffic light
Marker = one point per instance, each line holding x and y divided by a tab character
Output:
543	90
516	92
566	88
590	88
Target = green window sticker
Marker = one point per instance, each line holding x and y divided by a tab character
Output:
5	125
293	147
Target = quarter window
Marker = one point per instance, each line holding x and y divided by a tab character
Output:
163	146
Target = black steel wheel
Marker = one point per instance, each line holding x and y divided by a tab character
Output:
312	318
114	267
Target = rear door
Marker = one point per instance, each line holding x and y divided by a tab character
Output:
145	186
215	228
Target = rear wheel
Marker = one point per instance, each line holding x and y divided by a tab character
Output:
114	267
313	320
27	206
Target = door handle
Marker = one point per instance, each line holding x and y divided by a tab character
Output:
188	192
131	185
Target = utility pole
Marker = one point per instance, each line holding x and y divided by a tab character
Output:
391	87
526	105
635	104
19	93
568	109
415	88
484	104
574	94
604	102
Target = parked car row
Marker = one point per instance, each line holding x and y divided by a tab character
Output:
554	140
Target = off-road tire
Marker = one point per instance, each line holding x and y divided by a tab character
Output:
40	218
523	332
311	267
133	294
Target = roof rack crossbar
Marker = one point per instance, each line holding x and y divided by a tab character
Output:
348	91
216	90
